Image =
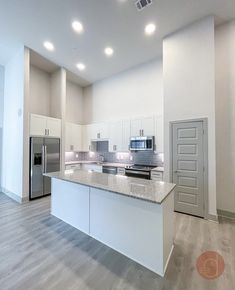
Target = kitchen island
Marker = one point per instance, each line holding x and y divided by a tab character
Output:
131	215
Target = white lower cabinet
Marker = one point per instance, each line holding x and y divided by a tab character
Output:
157	175
121	171
45	126
73	137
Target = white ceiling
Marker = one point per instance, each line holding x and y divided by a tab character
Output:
106	22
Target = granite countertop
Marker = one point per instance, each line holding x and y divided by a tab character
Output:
122	165
148	190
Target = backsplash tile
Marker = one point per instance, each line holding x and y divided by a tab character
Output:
149	158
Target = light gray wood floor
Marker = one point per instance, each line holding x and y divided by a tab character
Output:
38	251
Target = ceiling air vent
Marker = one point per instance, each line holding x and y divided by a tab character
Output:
141	4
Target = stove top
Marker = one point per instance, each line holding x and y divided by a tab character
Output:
141	167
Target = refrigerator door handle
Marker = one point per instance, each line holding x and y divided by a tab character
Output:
45	159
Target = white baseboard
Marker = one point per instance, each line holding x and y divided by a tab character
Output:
168	259
14	196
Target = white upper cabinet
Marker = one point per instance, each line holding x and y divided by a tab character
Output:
143	127
38	125
126	135
99	131
54	127
136	127
115	136
44	126
87	131
159	135
73	137
148	126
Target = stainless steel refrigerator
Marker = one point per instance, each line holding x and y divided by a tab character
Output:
44	158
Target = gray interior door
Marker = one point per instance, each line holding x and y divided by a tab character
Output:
52	160
188	166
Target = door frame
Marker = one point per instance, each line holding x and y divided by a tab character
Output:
205	158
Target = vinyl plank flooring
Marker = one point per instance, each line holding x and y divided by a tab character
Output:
38	251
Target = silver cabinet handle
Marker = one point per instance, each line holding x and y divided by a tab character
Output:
140	132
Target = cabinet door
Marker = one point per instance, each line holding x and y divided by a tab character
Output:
86	137
159	135
54	127
148	126
136	127
69	146
156	175
104	130
94	131
126	134
115	136
77	137
37	125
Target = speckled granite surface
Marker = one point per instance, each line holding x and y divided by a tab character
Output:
148	190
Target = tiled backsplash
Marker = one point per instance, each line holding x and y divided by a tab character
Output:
149	158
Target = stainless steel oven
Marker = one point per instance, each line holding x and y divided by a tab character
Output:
142	143
139	171
109	169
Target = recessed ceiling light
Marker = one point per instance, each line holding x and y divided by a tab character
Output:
77	26
49	46
108	51
150	28
81	66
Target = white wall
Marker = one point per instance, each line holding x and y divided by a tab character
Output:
1	115
40	91
74	103
225	116
189	87
12	175
133	93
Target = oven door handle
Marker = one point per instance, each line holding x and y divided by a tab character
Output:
137	172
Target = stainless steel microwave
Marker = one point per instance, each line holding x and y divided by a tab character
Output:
142	143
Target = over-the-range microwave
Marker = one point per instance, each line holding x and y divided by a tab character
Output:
142	143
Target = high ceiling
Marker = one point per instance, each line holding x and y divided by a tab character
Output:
115	23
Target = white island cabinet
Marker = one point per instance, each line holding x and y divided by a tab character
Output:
134	217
